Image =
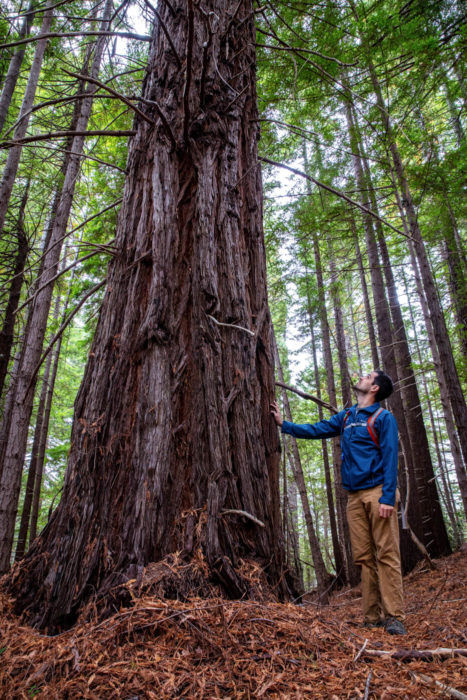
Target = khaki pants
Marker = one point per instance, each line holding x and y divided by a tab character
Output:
375	547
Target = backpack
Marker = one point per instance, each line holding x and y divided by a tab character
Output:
370	424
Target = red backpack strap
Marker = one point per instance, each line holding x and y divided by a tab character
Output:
371	426
347	414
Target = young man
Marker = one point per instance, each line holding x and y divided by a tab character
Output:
369	446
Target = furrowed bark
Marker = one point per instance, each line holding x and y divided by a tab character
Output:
172	425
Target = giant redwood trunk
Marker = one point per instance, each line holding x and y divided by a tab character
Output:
172	430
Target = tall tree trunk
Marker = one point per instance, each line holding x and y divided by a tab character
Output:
14	154
47	384
438	364
14	67
435	535
293	535
449	501
322	576
7	332
336	545
18	423
29	491
340	332
409	553
341	496
457	266
348	569
40	463
172	422
456	395
366	297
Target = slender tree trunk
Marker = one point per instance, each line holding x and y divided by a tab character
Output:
439	366
322	576
29	491
14	154
7	332
336	545
444	396
353	324
457	266
340	333
341	496
14	68
366	297
172	422
348	569
409	553
425	482
40	463
18	423
40	428
293	533
456	395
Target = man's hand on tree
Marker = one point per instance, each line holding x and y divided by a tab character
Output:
385	511
276	414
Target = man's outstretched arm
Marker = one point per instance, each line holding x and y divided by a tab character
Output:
322	429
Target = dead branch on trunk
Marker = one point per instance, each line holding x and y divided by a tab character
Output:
230	325
245	514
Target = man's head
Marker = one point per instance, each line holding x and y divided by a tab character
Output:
376	383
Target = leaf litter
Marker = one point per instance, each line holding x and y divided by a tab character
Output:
217	648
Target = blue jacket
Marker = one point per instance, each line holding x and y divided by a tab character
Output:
363	464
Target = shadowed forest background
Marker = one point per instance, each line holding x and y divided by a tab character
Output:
362	117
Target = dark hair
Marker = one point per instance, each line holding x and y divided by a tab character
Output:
385	385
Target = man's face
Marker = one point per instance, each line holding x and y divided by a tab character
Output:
366	382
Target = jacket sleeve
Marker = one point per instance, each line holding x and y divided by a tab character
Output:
389	445
323	429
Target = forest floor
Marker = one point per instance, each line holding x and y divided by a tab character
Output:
243	649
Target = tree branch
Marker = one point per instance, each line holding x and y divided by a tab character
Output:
54	35
163	119
338	193
245	514
63	134
113	92
310	397
62	272
64	325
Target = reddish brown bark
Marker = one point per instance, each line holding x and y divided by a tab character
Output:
172	424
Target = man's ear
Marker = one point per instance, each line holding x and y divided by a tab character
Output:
374	388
